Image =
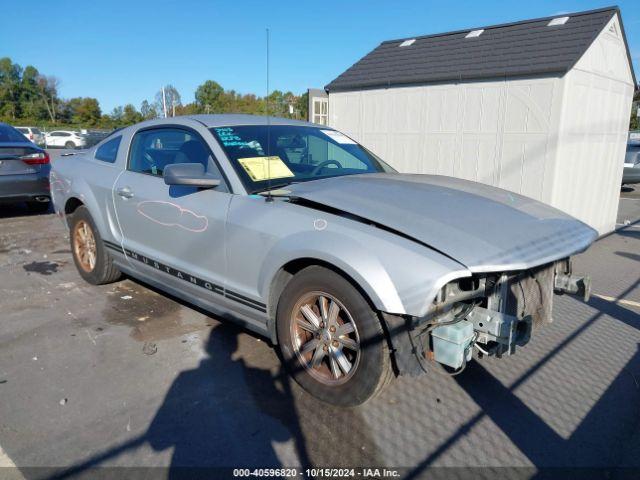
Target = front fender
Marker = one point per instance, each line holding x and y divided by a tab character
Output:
346	254
399	275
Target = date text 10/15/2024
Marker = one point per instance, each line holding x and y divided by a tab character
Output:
318	472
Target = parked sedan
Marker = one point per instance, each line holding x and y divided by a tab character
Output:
24	170
65	138
294	230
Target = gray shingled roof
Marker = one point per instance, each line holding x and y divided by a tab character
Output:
522	48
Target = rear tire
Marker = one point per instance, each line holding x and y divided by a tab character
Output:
92	259
352	337
70	145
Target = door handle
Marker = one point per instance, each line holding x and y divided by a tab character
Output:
125	192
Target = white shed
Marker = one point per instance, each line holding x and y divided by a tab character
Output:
539	107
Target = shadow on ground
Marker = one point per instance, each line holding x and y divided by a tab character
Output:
228	413
11	210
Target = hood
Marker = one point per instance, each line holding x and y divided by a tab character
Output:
484	228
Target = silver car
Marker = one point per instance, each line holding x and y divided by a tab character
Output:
631	172
297	232
33	134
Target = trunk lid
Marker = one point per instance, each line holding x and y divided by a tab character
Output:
10	159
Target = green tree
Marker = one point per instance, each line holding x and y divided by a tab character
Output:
32	96
116	115
209	97
47	88
84	111
31	105
148	111
130	115
634	122
106	121
10	74
172	99
302	106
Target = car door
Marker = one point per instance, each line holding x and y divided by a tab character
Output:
173	234
56	139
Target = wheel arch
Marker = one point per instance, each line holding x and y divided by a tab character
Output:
287	271
83	195
70	206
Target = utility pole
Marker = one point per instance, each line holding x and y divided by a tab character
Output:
164	103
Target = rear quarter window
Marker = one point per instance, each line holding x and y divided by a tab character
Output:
108	151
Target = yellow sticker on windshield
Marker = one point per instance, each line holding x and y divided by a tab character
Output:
265	168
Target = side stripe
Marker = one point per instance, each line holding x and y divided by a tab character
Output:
187	277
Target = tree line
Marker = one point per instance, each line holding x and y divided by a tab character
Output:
28	97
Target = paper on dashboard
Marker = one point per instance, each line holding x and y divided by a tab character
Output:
265	168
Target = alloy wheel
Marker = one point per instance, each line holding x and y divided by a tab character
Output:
85	246
325	338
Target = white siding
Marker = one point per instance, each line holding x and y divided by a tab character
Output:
556	139
593	132
496	132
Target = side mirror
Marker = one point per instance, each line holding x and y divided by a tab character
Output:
191	174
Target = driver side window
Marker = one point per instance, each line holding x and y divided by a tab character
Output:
152	150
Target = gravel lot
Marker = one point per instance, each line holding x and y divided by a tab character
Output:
122	375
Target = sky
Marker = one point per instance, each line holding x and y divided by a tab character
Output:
123	51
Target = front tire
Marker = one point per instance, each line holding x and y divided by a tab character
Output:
331	340
92	259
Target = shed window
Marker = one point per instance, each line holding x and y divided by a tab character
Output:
320	111
474	33
558	21
406	43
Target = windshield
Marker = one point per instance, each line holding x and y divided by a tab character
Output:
275	156
632	155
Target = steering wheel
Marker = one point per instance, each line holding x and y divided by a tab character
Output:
324	164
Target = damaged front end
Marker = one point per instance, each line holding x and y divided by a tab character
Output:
493	313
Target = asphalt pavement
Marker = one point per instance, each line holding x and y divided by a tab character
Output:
122	375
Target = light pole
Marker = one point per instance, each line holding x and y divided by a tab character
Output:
164	102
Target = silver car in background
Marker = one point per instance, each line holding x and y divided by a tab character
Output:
33	134
354	271
631	172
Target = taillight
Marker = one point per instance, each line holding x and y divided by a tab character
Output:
39	158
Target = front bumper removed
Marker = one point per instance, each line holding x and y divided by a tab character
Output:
494	313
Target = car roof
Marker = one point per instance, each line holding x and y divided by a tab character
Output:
223	120
233	119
